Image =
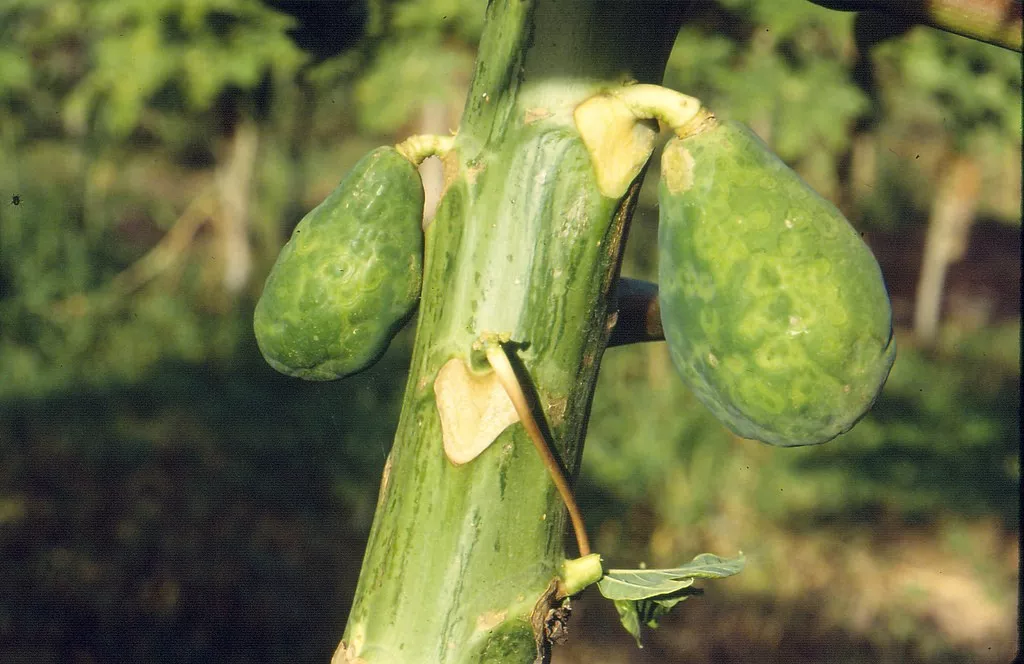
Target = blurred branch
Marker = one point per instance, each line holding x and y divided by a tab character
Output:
992	21
952	214
638	316
164	255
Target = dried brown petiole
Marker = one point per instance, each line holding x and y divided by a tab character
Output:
507	377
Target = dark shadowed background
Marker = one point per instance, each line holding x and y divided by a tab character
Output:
166	497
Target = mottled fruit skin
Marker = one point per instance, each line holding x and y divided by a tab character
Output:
350	275
773	307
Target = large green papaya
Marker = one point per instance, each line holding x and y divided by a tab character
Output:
773	307
350	275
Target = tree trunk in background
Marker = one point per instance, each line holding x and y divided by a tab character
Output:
435	118
948	229
234	185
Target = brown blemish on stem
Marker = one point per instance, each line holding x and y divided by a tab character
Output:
703	121
556	411
473	171
617	234
346	655
611	321
546	611
449	170
534	114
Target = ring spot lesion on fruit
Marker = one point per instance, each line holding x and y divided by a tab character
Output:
796	326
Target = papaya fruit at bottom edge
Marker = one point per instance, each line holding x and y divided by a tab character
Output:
350	275
775	311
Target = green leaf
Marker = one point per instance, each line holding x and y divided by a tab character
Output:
636	584
633	614
630	618
651	610
709	566
639	584
579	573
644	596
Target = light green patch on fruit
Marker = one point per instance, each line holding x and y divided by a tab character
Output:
753	392
710	320
677	167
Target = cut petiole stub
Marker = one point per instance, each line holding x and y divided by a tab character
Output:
619	144
619	131
578	573
654	102
473	409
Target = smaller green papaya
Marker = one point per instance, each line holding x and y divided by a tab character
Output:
774	309
350	275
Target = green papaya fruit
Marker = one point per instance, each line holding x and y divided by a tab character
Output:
350	275
774	309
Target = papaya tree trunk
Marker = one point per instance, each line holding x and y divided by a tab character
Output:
463	561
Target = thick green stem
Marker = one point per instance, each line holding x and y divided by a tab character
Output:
464	562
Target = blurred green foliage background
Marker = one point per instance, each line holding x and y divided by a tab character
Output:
165	497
